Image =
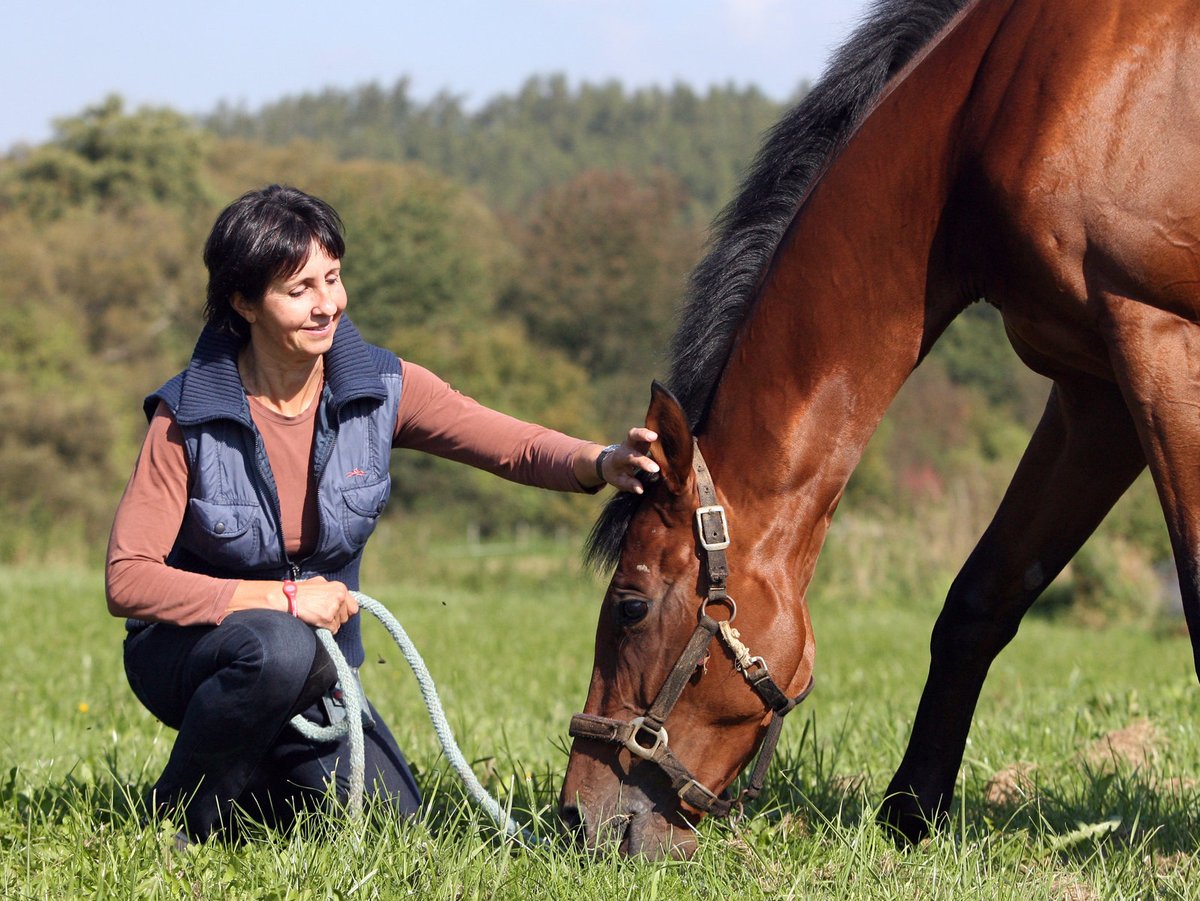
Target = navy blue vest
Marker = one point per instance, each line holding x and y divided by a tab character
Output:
231	528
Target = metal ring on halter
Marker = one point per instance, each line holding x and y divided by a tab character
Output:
724	600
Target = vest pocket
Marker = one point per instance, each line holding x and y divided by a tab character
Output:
361	508
226	534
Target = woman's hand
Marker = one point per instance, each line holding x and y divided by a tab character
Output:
319	603
324	604
620	464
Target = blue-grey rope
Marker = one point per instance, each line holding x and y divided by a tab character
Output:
355	703
352	724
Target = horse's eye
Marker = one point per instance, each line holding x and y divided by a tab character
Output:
631	611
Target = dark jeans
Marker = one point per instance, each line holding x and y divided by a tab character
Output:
230	691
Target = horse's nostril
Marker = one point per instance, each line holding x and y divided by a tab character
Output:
572	820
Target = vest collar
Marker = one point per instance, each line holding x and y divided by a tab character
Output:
212	387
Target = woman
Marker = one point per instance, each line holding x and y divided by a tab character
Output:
262	475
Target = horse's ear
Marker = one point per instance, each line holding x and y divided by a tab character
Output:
673	449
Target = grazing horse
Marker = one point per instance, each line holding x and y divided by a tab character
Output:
1036	154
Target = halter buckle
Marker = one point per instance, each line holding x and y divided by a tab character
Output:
637	725
710	797
720	539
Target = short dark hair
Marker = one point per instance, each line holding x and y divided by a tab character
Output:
262	236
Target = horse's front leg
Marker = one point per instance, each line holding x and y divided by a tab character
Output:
1081	458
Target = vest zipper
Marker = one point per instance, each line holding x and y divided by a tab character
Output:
268	478
321	458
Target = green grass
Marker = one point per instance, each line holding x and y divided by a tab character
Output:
509	642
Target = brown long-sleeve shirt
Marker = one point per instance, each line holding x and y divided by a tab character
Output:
432	417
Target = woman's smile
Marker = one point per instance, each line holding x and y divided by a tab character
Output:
322	330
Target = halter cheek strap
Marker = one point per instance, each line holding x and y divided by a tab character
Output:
646	736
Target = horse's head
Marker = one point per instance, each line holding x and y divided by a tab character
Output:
679	702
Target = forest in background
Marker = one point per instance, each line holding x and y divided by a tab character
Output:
532	252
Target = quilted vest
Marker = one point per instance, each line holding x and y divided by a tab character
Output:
231	527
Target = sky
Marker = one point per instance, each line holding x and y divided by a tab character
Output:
62	56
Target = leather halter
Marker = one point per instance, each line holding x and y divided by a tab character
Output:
646	736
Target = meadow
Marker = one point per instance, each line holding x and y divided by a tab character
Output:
1080	781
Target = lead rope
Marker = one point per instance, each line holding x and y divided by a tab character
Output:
351	691
732	638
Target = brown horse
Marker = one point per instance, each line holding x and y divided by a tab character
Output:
1038	154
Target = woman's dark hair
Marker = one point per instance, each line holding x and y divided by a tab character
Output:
262	236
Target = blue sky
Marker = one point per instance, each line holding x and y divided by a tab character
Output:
61	56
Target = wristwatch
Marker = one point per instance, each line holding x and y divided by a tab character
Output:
600	458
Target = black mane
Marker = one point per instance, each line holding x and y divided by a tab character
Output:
748	231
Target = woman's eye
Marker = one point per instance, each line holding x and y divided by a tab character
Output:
631	611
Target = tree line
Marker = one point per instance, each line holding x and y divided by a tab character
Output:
513	147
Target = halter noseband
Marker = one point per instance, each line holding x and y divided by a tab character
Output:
646	736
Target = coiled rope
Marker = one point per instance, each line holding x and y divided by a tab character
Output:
353	723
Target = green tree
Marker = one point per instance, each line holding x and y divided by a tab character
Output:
498	365
106	158
57	476
604	263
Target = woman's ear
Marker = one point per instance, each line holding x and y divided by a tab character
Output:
243	308
673	449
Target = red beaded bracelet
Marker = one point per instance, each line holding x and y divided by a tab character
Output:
289	589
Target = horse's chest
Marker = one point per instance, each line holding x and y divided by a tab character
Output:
1053	342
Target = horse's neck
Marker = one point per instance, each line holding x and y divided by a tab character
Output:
861	286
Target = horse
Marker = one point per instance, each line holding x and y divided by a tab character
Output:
1036	155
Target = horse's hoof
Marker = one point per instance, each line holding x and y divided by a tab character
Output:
903	818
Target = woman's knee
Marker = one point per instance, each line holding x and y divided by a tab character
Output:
278	652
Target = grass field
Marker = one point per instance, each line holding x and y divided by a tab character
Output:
1081	777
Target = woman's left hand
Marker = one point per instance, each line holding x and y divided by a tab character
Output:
620	464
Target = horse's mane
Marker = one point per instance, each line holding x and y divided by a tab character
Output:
747	233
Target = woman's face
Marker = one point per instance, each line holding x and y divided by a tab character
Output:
298	314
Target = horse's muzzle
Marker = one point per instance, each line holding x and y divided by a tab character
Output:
629	821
